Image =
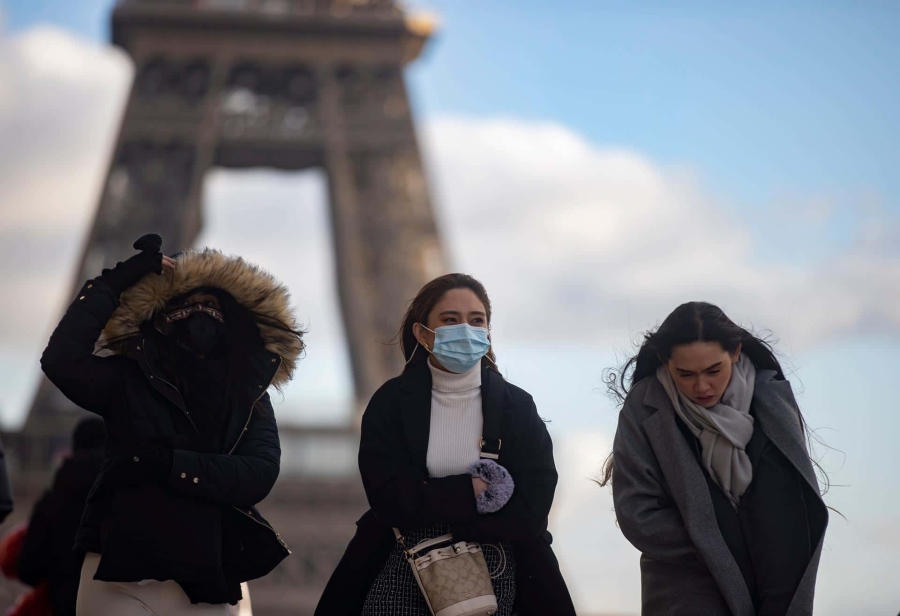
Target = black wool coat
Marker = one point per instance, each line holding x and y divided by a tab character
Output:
392	462
199	526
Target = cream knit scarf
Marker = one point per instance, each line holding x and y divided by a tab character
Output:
723	430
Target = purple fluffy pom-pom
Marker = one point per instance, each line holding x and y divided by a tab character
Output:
500	488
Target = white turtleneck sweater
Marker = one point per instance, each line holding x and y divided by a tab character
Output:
456	421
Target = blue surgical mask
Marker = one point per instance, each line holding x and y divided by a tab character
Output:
459	347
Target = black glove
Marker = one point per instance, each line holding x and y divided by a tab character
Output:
146	465
127	273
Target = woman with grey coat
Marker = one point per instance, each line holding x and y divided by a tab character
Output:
710	473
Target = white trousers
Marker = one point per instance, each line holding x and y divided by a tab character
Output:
96	598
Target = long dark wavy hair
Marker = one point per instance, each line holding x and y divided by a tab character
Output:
424	303
690	322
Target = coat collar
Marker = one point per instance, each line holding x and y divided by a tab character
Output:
262	369
778	415
415	405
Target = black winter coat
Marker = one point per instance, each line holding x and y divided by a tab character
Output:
392	462
200	527
47	552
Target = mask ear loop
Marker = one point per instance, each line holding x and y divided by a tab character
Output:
417	348
492	346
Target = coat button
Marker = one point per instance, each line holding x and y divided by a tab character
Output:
260	386
139	348
196	480
184	475
274	360
137	459
81	298
90	286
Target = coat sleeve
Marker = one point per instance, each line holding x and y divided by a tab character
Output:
644	510
399	493
244	477
532	468
36	555
69	361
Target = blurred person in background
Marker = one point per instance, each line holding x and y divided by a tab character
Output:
421	466
711	475
47	554
6	499
191	345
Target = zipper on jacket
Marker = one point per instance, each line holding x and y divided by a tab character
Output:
266	526
250	414
180	397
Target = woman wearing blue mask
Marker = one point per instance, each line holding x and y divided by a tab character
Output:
450	447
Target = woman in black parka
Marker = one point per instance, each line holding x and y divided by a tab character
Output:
192	345
421	435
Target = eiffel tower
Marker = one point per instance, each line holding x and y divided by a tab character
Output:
291	85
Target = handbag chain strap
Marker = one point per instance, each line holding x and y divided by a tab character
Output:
402	543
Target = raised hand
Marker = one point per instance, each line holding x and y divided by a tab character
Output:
150	259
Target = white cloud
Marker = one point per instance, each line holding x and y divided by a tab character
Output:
60	99
600	566
605	241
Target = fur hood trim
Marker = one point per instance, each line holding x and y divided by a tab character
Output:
252	287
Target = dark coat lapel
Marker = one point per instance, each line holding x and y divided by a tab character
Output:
778	416
495	403
690	492
415	410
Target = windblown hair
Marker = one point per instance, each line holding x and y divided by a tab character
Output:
424	303
690	322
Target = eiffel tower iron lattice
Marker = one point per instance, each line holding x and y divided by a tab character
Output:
287	84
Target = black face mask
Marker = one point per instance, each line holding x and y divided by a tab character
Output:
199	333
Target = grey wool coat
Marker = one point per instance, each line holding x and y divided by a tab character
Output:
664	508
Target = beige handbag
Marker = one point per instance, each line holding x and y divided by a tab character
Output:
454	579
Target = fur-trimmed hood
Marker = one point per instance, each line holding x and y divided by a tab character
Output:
253	288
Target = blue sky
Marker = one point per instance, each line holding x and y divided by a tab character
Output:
783	98
764	100
579	114
775	102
